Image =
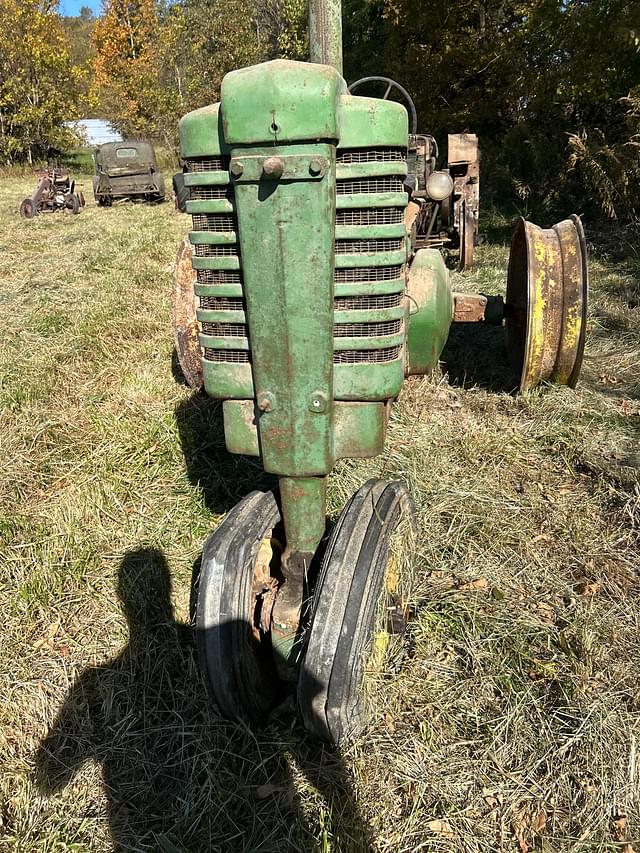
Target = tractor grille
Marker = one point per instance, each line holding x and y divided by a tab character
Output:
369	185
207	164
355	247
214	250
370	216
225	330
366	356
222	303
383	319
371	155
367	330
219	276
227	356
387	273
367	303
214	222
223	224
210	192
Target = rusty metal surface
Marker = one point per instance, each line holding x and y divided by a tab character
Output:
325	32
462	148
468	234
583	298
464	166
453	222
185	324
55	191
546	302
469	307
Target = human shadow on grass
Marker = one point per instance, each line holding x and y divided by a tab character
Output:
177	777
223	478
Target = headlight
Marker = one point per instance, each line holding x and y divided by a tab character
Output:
439	186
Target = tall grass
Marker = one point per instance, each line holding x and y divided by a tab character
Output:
513	723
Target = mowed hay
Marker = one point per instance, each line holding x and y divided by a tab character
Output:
512	724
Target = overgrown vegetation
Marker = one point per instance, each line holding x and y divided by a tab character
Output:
513	723
550	86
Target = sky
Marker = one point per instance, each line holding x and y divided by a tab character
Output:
72	7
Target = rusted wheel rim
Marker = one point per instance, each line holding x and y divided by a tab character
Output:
547	302
185	323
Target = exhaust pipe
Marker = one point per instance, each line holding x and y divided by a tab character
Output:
325	32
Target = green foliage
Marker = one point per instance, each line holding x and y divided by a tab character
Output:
201	40
612	169
78	30
38	85
523	74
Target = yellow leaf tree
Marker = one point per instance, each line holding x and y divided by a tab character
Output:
38	85
126	75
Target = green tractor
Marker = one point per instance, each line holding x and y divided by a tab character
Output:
303	302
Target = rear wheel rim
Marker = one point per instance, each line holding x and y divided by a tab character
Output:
546	304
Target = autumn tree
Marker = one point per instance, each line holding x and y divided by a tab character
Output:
78	30
37	82
126	41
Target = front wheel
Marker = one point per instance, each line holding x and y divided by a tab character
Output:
356	595
235	591
27	209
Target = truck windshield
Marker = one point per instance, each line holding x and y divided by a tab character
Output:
126	153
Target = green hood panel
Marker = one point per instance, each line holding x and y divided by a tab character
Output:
280	102
362	118
201	133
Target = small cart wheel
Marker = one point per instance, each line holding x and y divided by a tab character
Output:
27	209
185	323
72	203
546	303
349	598
234	595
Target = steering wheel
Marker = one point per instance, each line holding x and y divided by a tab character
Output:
391	84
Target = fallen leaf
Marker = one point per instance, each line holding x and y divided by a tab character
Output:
545	611
539	822
619	826
542	669
441	827
587	587
565	489
608	379
478	583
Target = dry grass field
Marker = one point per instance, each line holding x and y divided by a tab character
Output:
514	723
